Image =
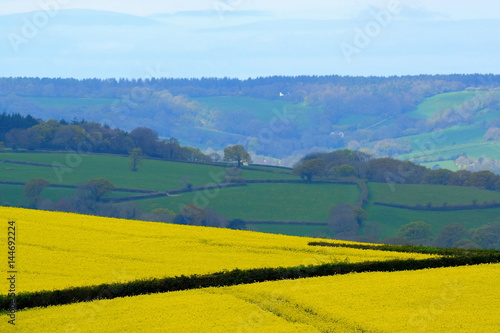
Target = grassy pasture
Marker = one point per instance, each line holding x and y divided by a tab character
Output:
152	174
261	109
412	194
268	202
474	149
391	219
446	101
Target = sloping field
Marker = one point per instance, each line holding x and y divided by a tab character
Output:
412	194
60	250
152	174
458	299
268	202
452	100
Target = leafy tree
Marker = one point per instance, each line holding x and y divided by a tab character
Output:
487	236
195	214
162	215
388	170
182	219
416	231
237	154
483	179
344	171
466	244
437	177
450	235
68	136
343	222
135	158
459	178
145	139
34	188
98	188
237	224
361	214
310	169
170	149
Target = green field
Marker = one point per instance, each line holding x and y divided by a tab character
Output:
261	109
413	194
261	202
391	219
13	195
452	100
490	149
268	202
153	174
452	136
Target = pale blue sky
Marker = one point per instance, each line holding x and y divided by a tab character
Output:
333	8
248	38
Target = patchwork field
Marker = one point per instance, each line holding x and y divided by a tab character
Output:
267	202
459	299
60	250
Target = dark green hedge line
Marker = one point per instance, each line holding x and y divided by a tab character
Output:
413	249
444	208
230	278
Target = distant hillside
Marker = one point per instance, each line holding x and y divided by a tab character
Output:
433	120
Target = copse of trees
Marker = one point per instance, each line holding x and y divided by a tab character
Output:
347	163
97	138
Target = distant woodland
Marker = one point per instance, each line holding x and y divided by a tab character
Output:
283	116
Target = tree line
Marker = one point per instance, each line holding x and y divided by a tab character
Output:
348	163
262	87
76	135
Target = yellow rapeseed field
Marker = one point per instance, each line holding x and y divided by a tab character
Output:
459	299
60	250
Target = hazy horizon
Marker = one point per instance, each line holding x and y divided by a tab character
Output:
243	39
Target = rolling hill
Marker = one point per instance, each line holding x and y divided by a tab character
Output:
61	250
273	200
58	250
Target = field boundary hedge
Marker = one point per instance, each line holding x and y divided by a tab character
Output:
34	164
157	194
235	277
286	222
116	189
444	208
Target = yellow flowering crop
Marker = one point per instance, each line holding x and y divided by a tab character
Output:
60	250
459	299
